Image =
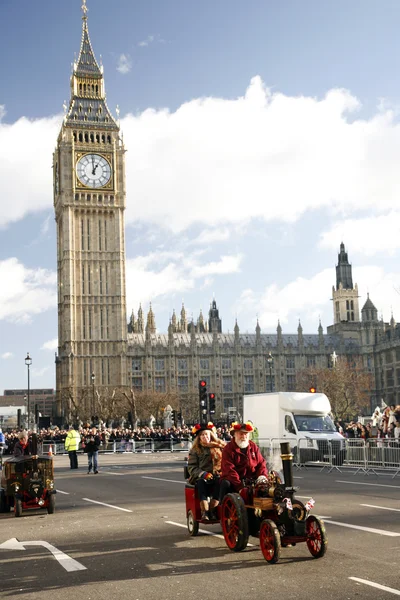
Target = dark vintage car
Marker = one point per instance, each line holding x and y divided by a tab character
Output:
27	483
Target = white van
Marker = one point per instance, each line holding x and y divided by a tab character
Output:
296	417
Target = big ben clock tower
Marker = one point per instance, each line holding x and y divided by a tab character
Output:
89	202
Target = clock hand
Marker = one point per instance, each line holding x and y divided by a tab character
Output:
93	167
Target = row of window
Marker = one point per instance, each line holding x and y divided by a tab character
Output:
102	377
226	364
389	356
227	384
100	232
100	199
92	137
95	322
100	284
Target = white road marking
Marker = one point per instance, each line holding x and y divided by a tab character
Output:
65	561
397	487
111	473
377	585
159	479
381	507
109	505
61	492
218	535
368	529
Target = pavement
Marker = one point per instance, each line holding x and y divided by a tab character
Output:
122	533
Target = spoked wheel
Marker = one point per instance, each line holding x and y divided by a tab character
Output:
317	541
270	541
51	507
192	524
18	507
234	522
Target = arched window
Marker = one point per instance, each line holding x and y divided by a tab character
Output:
74	134
109	139
88	197
80	137
80	88
92	137
86	137
103	138
97	138
84	88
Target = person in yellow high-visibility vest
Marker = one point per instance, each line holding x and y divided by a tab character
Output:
72	442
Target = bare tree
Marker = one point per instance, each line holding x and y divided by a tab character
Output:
347	385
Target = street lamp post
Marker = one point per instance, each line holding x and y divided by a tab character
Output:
93	402
28	362
270	360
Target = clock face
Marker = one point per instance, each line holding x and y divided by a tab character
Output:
93	170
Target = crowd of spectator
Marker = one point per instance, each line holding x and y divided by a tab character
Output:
384	425
109	435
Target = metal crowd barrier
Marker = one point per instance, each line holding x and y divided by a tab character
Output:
364	456
125	446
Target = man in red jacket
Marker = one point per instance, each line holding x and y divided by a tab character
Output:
241	459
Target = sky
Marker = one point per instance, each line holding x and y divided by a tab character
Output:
259	136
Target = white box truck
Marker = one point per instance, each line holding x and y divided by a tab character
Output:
303	418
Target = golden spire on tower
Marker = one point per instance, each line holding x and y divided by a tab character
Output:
84	9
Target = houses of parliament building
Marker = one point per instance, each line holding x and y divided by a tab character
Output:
95	341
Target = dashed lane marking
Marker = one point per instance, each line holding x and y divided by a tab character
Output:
376	585
108	505
160	479
367	529
397	487
381	507
218	535
61	492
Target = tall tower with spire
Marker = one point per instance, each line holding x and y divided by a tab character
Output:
89	203
345	295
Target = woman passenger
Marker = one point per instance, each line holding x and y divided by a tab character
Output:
22	447
204	466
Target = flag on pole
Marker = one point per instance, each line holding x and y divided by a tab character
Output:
310	504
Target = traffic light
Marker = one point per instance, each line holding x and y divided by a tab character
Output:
313	389
211	403
179	417
203	400
173	416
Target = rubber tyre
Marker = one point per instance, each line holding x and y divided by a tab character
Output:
51	507
192	524
270	541
18	507
235	526
317	541
4	506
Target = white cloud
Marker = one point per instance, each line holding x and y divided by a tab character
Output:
163	274
7	355
39	372
307	298
25	292
368	235
149	40
262	156
2	111
50	345
124	64
26	180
